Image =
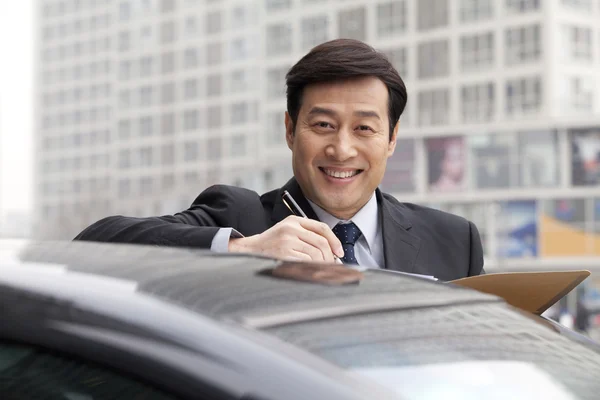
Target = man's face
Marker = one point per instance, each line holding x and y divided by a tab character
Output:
341	143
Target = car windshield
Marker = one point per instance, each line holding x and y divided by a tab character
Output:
471	380
490	344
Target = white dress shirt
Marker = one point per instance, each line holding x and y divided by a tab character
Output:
368	248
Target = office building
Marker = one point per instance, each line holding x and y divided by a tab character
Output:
145	103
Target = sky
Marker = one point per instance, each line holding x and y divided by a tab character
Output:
17	45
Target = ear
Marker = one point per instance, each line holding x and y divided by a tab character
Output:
392	143
289	130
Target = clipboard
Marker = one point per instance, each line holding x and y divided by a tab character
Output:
534	292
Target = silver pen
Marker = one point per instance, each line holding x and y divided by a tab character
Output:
291	204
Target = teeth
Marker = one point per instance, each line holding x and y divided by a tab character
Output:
339	174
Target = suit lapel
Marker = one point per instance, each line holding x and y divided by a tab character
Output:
280	211
400	247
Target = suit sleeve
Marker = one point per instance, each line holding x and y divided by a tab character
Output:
195	227
476	256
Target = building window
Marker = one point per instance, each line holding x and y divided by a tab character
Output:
213	22
167	6
582	93
432	14
239	113
146	126
168	154
315	31
239	17
167	93
190	120
190	58
214	53
523	96
523	44
522	6
124	188
352	24
241	49
124	159
578	42
146	94
476	10
167	32
538	158
145	156
238	145
399	59
124	41
190	151
239	81
391	18
146	66
277	5
400	170
146	185
275	128
167	124
478	102
214	85
582	5
585	147
434	107
168	181
276	82
124	129
125	70
279	39
214	148
168	63
477	51
494	161
191	26
433	59
214	117
190	89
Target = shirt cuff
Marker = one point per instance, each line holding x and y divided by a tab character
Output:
220	243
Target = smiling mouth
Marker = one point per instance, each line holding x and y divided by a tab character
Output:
340	174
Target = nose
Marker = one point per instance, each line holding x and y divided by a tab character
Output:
342	146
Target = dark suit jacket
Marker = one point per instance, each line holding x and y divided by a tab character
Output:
415	239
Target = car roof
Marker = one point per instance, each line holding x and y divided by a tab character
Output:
351	326
233	287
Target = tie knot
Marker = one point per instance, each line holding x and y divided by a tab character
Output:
347	233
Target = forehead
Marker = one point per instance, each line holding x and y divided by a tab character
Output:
368	92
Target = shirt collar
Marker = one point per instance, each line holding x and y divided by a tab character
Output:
366	219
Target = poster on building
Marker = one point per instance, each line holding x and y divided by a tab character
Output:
446	163
491	161
564	228
400	170
585	156
517	229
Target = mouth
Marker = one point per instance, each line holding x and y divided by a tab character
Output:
341	175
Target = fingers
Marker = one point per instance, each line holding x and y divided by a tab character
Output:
317	242
323	230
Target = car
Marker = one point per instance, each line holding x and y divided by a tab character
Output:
83	320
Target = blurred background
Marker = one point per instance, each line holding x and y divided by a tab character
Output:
135	106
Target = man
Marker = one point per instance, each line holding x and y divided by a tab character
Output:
344	100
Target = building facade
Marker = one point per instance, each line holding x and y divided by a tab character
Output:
155	100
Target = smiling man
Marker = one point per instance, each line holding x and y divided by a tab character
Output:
344	101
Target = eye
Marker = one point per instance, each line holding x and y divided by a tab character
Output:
323	124
365	128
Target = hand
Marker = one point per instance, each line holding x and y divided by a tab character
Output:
294	238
